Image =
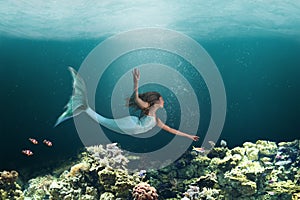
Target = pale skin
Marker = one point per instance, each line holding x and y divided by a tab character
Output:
152	110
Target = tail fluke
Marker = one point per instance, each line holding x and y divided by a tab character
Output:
78	101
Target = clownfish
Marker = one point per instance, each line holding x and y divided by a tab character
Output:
27	152
48	143
199	149
33	141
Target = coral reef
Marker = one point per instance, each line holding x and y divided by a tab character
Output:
9	188
261	170
143	191
110	156
39	187
100	173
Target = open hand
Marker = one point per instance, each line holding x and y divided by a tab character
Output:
136	75
194	137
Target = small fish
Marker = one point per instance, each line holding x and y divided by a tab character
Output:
47	143
142	173
199	149
33	141
223	143
27	152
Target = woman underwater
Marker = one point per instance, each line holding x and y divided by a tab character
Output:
148	103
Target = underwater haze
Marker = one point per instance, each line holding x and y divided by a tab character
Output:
254	44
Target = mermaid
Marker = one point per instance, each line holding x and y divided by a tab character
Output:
148	103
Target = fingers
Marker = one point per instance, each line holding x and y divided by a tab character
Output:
195	138
136	73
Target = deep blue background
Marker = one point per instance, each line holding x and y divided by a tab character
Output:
260	74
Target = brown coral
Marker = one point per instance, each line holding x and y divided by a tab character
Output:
9	189
78	168
143	191
8	177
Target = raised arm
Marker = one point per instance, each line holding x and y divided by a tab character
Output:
174	131
136	77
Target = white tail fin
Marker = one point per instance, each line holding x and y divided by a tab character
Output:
78	101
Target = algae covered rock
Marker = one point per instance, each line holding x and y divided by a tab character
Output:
266	148
107	178
252	152
39	187
224	164
260	170
237	184
207	181
107	196
209	193
9	188
238	150
88	178
284	187
217	152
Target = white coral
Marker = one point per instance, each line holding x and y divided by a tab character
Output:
110	156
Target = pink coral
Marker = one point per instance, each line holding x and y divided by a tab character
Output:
143	191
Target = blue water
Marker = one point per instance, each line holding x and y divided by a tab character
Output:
257	56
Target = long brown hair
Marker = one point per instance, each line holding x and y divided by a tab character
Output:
149	97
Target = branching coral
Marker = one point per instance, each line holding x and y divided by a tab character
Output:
110	156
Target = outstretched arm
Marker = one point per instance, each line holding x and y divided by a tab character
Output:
174	131
136	77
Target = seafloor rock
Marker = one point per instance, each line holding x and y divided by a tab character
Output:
237	184
217	152
9	188
39	187
281	187
207	181
251	151
107	196
100	174
266	148
261	170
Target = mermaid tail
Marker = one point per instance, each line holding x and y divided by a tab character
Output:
130	125
78	101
